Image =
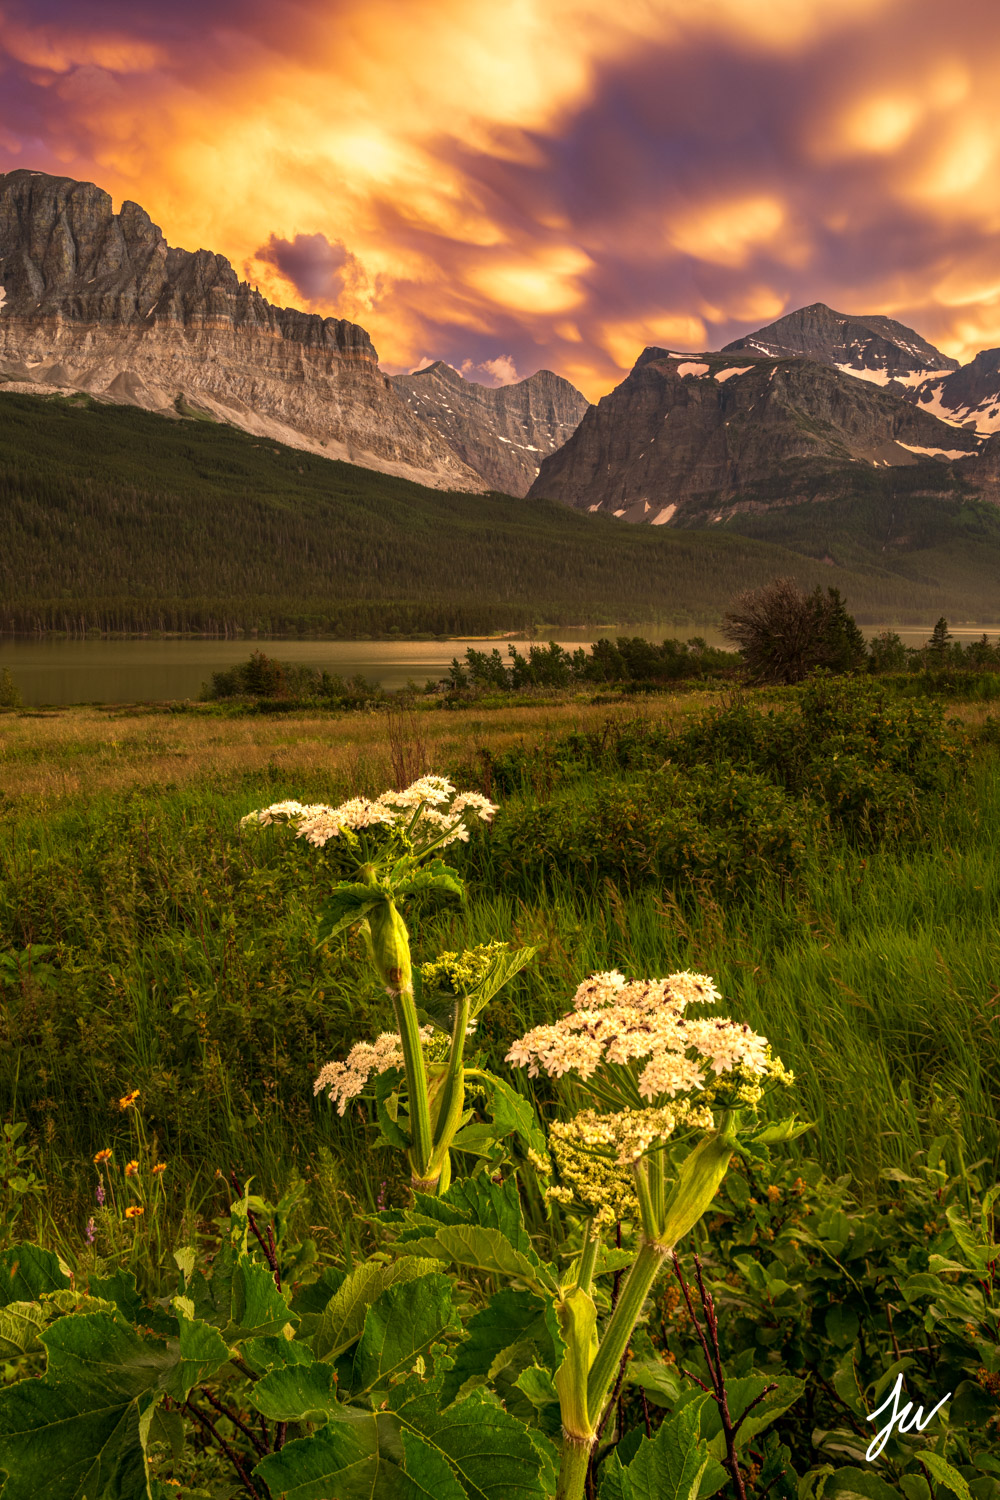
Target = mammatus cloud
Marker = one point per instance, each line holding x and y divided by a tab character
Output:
558	179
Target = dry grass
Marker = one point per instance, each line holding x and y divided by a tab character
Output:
63	755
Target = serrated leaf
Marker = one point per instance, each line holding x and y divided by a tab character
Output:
28	1272
490	1452
257	1308
510	1318
349	903
500	972
361	1458
660	1381
403	1324
740	1393
861	1484
201	1352
780	1131
513	1114
298	1393
670	1466
343	1320
275	1353
386	1085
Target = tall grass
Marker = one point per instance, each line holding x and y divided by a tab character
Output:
145	943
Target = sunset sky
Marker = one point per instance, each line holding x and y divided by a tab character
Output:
518	184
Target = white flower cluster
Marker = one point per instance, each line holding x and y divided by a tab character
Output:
443	812
344	1081
617	1023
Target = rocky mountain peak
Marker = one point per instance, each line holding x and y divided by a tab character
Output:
502	432
867	346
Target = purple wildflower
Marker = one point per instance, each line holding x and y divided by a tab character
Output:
90	1231
100	1194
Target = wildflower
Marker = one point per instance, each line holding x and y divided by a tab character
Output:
132	1169
640	1025
99	1195
134	1211
419	808
128	1100
90	1231
460	973
161	1166
773	1193
344	1081
102	1156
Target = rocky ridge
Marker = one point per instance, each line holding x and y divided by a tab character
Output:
502	432
96	301
689	439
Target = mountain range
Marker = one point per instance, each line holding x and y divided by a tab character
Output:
858	412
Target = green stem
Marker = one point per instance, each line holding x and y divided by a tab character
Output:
588	1257
574	1461
647	1215
453	1089
634	1292
416	1082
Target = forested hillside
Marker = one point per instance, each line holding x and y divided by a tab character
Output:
115	519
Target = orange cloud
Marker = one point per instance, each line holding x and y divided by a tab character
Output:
559	180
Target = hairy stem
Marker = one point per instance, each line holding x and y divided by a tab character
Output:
623	1320
574	1461
588	1256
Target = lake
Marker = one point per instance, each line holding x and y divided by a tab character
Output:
133	671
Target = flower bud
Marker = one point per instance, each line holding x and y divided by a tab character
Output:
391	947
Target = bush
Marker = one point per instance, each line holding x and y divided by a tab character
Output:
10	693
784	633
723	829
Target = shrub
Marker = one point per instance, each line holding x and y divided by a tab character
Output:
784	633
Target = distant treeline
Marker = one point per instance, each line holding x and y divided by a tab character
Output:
119	521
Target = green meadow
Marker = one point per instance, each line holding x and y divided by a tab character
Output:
829	854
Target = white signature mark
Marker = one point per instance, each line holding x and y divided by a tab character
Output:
900	1419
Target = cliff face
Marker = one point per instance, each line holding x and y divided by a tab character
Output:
690	439
501	432
96	301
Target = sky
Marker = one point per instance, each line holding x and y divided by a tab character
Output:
512	185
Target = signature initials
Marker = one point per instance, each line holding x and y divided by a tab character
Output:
900	1419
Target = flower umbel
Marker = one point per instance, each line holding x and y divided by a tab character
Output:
430	810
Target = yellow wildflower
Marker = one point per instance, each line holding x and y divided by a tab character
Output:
134	1211
161	1166
132	1169
102	1156
127	1100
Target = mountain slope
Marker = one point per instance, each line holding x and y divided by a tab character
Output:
689	439
117	520
97	301
501	432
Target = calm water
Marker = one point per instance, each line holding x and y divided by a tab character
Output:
97	671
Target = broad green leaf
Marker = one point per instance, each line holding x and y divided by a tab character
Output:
613	1480
669	1466
538	1385
240	1298
500	972
435	878
403	1324
513	1114
120	1289
275	1354
490	1452
201	1351
257	1308
510	1318
361	1458
862	1484
493	1205
20	1325
79	1432
27	1272
349	903
660	1381
609	1259
298	1393
490	1250
311	1299
343	1320
943	1473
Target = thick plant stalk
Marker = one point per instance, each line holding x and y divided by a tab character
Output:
390	945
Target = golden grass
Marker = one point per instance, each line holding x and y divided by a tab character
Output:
78	752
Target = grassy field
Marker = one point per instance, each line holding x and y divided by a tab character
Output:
145	943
